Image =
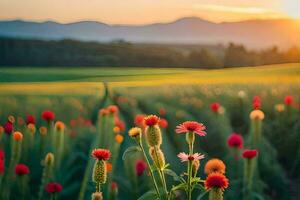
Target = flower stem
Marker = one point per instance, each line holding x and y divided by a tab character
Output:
150	169
161	173
191	140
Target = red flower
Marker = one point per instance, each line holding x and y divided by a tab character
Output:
191	126
30	119
163	123
2	162
215	106
119	123
162	112
48	115
113	109
114	186
101	154
249	153
53	187
288	100
8	127
140	167
216	180
139	120
151	120
256	102
235	141
21	169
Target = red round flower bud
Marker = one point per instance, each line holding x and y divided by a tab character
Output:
235	141
249	153
139	120
8	128
48	115
163	123
53	187
215	106
22	169
113	109
140	167
216	180
288	100
30	119
256	102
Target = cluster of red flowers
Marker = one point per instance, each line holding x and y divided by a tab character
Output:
256	102
101	154
53	187
22	169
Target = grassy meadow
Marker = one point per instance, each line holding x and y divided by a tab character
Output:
220	99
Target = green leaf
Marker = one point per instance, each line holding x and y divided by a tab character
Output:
202	195
150	195
182	186
172	173
130	150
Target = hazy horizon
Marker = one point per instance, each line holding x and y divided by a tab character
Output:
139	12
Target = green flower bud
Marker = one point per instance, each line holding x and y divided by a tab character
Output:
100	172
158	157
153	135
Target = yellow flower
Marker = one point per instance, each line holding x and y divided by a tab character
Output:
215	165
134	132
11	119
119	138
257	115
280	107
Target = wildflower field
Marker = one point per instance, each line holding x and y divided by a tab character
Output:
147	134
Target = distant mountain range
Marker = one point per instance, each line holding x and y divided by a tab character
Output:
190	30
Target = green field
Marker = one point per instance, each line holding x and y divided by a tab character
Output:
177	95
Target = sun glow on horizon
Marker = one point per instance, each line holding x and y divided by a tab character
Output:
146	11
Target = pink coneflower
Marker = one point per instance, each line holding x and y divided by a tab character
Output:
215	106
30	119
191	126
185	157
216	180
249	153
140	167
53	187
163	123
235	141
101	154
139	120
151	120
8	128
288	100
22	169
256	102
48	115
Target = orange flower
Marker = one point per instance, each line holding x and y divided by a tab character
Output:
43	130
116	130
109	167
60	126
119	138
215	165
216	180
18	136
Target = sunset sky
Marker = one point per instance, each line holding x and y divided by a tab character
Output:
146	11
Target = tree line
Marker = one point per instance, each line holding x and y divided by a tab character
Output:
34	52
